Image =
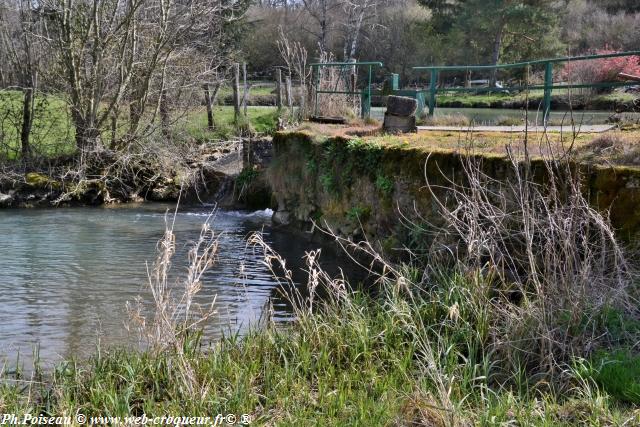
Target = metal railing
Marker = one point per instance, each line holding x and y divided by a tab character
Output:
547	87
365	93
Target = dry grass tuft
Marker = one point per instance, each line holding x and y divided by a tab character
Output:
553	261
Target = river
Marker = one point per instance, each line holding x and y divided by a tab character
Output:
493	116
66	274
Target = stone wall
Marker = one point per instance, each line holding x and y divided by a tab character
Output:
356	187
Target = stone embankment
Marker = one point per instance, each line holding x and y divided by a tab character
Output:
359	189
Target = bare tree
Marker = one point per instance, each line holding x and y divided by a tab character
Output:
295	57
136	53
22	54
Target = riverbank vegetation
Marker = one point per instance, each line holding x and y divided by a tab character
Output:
501	315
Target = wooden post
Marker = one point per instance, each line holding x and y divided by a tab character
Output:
245	92
236	91
279	88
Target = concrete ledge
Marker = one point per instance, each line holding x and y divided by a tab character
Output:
519	129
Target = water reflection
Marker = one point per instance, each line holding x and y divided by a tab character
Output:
65	274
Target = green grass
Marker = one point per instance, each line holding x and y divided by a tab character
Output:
394	359
226	91
52	132
261	120
618	373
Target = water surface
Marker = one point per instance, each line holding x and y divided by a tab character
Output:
66	274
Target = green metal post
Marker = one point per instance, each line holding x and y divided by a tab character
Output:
366	98
395	81
420	99
548	87
315	113
433	87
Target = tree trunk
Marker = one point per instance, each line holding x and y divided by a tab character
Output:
27	121
495	57
323	28
164	113
114	128
211	125
86	134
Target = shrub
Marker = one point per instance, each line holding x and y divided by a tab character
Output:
600	70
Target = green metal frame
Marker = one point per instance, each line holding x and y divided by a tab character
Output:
548	78
365	94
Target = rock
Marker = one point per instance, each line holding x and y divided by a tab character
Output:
5	200
165	190
397	124
40	181
402	106
400	115
282	217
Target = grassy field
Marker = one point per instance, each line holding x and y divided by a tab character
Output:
194	123
259	89
53	132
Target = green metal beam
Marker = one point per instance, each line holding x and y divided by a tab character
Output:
344	64
548	86
524	64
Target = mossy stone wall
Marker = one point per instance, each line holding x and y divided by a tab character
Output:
355	186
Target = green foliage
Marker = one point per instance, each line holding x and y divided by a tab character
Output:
384	184
359	213
246	177
509	26
619	374
342	161
329	183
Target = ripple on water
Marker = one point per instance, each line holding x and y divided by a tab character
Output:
65	274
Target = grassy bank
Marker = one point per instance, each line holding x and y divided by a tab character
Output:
397	359
528	318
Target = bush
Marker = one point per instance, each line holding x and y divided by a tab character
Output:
600	70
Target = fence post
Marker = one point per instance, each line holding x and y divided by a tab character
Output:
548	87
365	104
433	87
317	88
289	93
395	81
245	89
236	91
279	88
